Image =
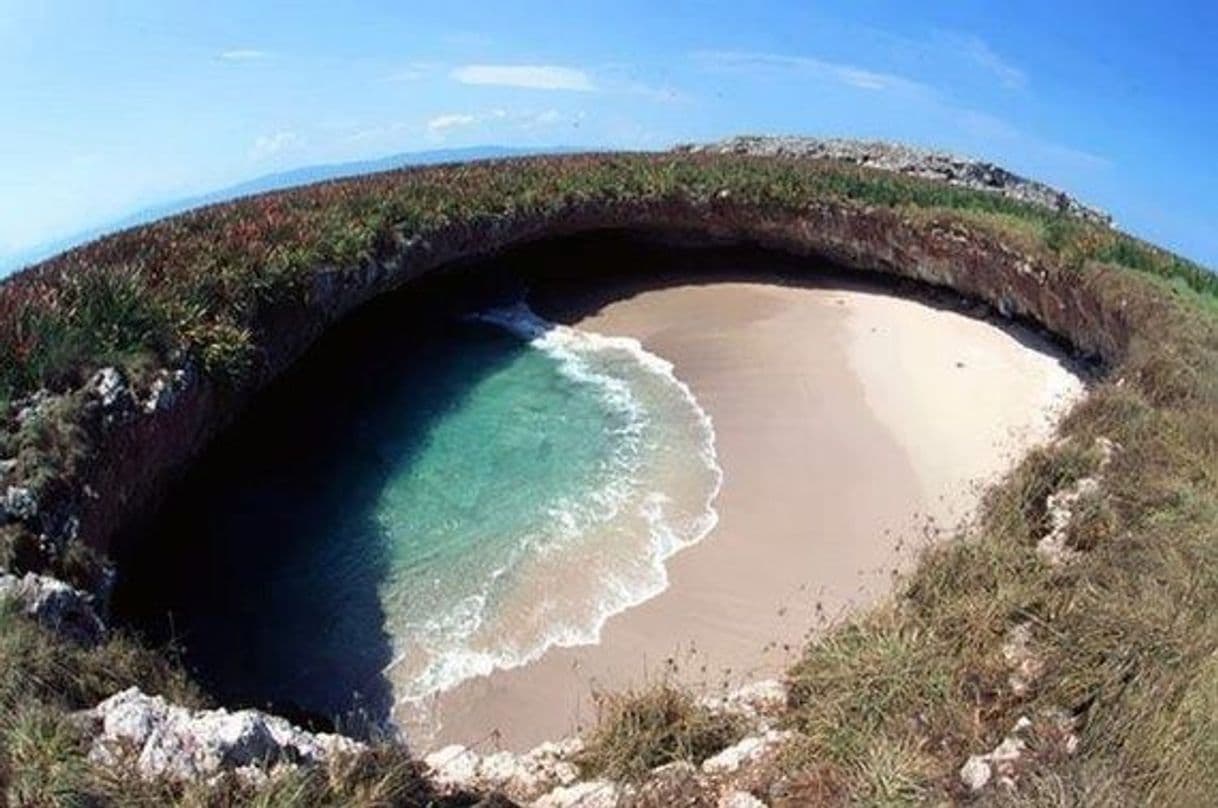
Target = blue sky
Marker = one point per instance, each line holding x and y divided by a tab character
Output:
112	106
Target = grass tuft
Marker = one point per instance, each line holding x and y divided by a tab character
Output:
660	723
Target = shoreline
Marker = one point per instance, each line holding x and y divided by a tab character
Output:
827	405
655	505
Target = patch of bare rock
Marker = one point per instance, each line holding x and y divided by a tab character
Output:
963	171
55	606
1061	506
1049	735
167	741
549	777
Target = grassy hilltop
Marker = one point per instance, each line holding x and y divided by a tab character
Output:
889	704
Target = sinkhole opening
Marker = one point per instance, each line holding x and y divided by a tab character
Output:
451	481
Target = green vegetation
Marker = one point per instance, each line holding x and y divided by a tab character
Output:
43	753
1127	633
638	730
195	283
892	702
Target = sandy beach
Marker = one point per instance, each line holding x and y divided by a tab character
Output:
851	424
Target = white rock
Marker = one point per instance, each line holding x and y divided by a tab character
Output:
895	157
764	698
165	389
1026	666
499	767
748	750
525	777
588	794
1009	750
740	799
522	777
19	502
453	766
976	772
170	741
56	606
1060	507
108	385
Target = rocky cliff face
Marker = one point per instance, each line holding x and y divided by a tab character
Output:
140	439
936	165
140	434
164	740
55	606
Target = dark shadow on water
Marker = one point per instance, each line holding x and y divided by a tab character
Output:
264	563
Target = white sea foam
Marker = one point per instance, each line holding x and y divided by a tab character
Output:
587	359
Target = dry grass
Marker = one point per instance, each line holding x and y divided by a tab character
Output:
1128	632
655	724
891	702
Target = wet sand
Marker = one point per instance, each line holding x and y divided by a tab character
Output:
851	426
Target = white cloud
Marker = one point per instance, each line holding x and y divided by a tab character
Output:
272	144
533	77
980	126
977	50
839	72
441	125
244	55
451	121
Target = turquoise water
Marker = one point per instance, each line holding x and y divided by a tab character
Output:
385	529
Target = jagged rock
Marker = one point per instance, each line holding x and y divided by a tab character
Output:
740	799
19	503
165	389
522	777
453	766
1026	666
963	171
528	776
169	741
673	785
758	700
108	385
746	751
56	606
587	794
976	772
1060	507
110	394
1002	760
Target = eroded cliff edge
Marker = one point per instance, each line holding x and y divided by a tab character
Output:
87	451
138	439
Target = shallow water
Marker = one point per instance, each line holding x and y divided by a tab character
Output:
449	503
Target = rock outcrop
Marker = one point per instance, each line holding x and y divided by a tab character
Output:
55	605
962	171
140	438
167	741
524	777
549	775
1050	735
1060	508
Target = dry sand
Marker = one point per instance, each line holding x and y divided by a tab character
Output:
848	422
